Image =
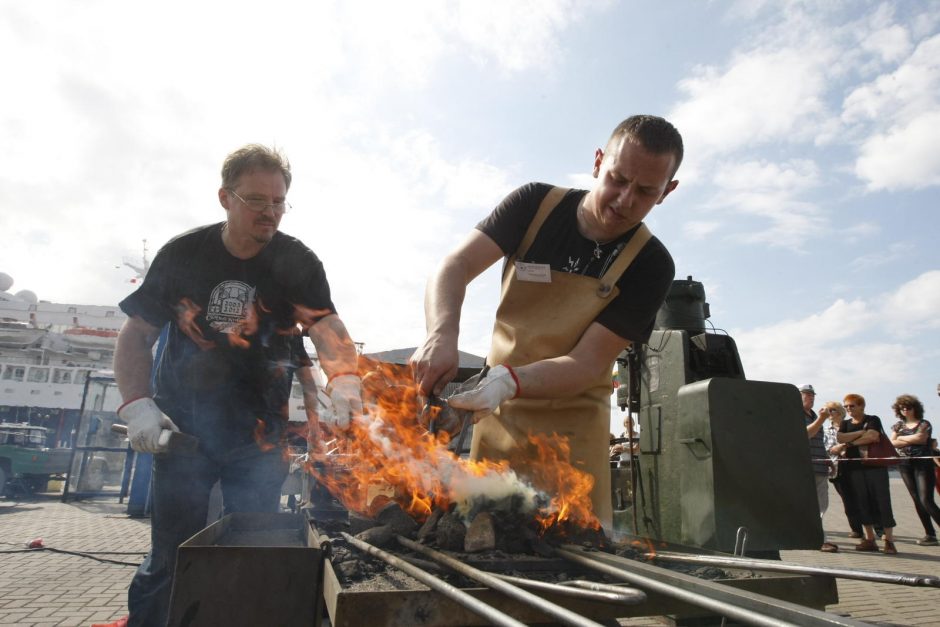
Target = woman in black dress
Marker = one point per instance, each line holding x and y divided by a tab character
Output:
869	483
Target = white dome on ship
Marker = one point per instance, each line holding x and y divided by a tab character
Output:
6	281
27	296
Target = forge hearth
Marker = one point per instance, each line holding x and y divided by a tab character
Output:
377	594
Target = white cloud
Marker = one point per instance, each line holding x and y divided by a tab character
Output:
904	157
913	308
700	229
896	251
771	192
762	96
875	347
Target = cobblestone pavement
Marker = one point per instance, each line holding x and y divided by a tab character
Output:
52	588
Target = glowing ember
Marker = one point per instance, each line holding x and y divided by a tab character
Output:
389	452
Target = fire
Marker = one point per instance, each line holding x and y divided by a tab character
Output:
186	312
388	451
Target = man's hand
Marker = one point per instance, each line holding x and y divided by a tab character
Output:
145	425
346	393
499	385
435	365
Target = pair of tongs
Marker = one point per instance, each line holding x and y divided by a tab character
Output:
465	415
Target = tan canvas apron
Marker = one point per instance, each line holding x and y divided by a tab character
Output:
538	321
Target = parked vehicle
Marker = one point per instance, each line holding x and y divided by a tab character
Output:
25	460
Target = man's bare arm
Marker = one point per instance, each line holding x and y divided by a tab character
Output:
133	358
435	363
571	374
335	349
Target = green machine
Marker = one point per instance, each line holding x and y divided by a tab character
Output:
717	452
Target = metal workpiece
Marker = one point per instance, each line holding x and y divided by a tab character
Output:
558	613
455	594
747	607
881	576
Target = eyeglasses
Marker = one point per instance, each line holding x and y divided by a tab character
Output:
260	206
849	406
905	407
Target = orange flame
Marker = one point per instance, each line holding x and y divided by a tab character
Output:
258	435
186	312
389	453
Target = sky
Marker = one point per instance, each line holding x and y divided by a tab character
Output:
807	202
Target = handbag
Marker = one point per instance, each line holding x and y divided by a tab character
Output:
880	449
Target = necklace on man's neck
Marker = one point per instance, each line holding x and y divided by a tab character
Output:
597	243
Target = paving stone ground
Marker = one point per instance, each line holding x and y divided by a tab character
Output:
45	587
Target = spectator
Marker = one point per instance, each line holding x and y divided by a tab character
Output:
817	454
838	475
911	436
869	483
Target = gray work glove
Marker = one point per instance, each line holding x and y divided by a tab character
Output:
346	394
148	428
497	386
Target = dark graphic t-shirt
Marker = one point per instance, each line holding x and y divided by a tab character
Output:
643	286
232	342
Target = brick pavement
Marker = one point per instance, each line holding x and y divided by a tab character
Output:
47	588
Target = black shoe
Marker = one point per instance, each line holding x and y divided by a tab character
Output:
928	541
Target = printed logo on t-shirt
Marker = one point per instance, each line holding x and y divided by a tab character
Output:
229	306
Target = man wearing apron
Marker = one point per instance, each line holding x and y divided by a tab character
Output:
583	280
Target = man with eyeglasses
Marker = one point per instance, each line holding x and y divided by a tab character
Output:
232	298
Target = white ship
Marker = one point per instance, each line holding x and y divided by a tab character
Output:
47	351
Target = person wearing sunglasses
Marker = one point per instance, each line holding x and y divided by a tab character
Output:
869	484
911	436
231	299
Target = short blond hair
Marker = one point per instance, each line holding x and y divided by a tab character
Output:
835	407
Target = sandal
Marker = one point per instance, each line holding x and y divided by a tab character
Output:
866	545
829	547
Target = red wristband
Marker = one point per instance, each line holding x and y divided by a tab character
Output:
133	400
339	374
512	373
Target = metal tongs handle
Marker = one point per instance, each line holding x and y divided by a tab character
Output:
466	414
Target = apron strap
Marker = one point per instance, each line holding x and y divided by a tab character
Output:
623	261
551	200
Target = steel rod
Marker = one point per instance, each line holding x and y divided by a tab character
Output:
451	592
622	596
881	576
741	605
559	613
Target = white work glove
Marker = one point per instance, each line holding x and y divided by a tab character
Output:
500	384
148	429
346	394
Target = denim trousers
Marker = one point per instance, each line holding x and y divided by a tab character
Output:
251	481
920	480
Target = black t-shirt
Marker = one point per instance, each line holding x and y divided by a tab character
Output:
643	286
233	339
868	422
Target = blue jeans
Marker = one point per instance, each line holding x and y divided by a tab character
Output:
251	482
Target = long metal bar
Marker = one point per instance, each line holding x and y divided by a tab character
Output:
741	605
881	576
559	613
577	588
451	592
623	596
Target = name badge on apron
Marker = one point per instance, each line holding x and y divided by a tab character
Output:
534	272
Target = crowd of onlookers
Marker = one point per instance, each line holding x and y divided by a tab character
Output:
853	450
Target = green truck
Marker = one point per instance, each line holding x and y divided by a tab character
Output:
26	463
